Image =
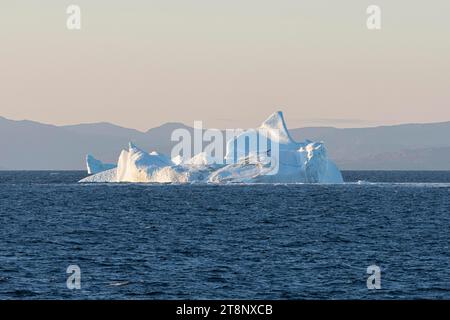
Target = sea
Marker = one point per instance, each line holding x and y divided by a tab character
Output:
381	235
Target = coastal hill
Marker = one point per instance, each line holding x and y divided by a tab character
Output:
29	145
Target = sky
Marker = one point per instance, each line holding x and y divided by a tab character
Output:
229	63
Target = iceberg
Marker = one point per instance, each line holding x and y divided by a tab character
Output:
267	154
96	166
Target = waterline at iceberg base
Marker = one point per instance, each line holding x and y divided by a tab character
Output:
293	162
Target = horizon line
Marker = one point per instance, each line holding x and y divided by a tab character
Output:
183	124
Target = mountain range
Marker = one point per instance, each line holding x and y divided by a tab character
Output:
29	145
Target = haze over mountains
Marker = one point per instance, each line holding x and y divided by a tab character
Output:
29	145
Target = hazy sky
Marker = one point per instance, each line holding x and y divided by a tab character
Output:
229	63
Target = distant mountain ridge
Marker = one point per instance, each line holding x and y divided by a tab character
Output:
30	145
386	147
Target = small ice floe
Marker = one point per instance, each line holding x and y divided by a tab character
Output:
363	182
119	283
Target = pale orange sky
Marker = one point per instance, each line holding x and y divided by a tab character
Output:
228	63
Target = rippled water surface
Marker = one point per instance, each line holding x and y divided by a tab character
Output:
143	241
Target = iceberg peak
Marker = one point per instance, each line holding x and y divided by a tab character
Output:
132	146
276	122
96	166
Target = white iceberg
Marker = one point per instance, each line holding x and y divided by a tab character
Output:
271	156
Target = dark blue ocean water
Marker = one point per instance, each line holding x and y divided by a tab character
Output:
225	242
